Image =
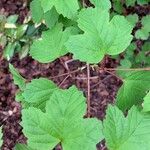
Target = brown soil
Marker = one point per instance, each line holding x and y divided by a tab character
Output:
103	90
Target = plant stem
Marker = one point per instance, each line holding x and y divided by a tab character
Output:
88	94
68	73
64	80
127	69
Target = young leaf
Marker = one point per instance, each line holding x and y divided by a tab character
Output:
63	122
143	56
46	5
130	133
68	8
51	17
36	11
23	147
125	63
1	135
102	4
146	104
129	53
133	89
9	50
143	33
18	79
100	37
143	2
12	19
118	6
133	19
39	90
51	46
130	2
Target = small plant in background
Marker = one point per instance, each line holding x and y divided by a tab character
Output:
143	33
52	115
15	37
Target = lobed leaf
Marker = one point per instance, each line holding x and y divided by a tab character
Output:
102	4
51	45
133	89
146	104
143	33
22	147
101	36
39	14
63	122
39	90
123	133
133	19
68	8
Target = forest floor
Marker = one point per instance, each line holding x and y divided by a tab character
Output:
104	85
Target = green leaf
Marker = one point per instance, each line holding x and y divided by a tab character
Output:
146	47
36	11
143	56
118	6
1	135
36	127
143	33
51	45
20	31
19	97
124	64
24	51
146	104
12	19
142	2
130	2
68	22
68	8
130	133
39	90
102	4
133	89
3	41
46	5
100	37
18	79
51	17
146	23
133	19
22	147
130	51
9	50
63	122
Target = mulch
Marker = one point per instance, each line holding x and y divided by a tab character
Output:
104	86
